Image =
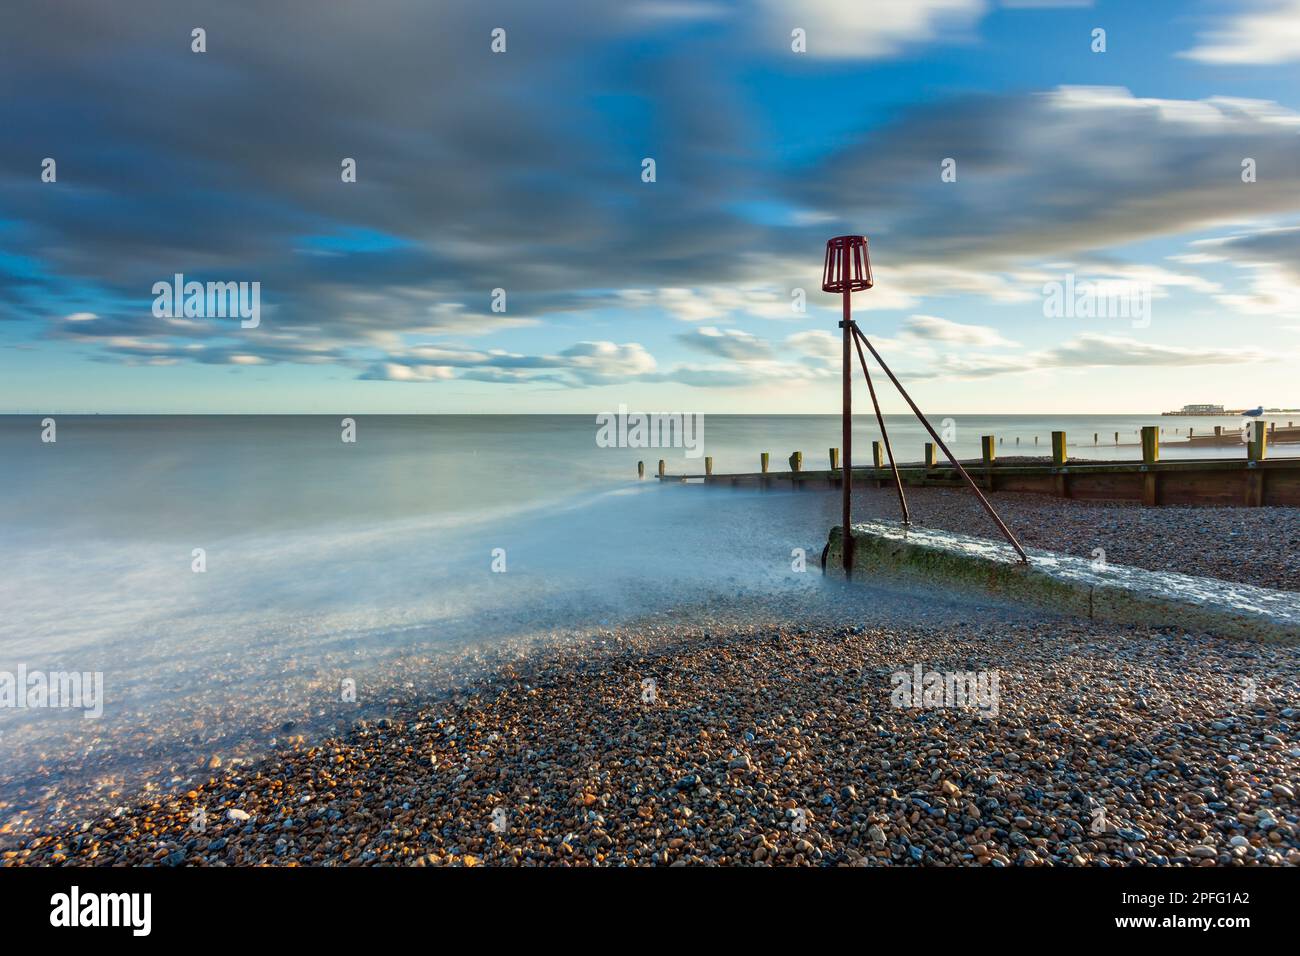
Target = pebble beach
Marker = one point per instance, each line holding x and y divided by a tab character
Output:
1259	546
762	731
777	746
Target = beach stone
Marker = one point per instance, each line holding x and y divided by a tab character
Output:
592	777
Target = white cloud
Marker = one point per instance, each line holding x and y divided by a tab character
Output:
1098	351
598	362
1268	33
851	29
931	328
686	305
712	303
816	344
1273	291
395	372
727	343
1269	259
586	363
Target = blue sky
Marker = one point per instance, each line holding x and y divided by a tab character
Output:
1118	171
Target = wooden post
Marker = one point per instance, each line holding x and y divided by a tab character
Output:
1058	460
1150	445
1117	439
1150	455
989	454
640	470
708	465
835	459
1058	448
764	459
661	467
1257	450
1189	432
796	461
1218	430
1094	438
929	455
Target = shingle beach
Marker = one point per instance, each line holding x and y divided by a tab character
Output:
769	732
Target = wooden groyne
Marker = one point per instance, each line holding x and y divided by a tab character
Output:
1253	481
1220	438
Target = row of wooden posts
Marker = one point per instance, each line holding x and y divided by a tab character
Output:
1256	450
1218	429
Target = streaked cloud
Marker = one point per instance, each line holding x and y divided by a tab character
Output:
727	343
931	328
586	363
1096	350
845	29
1266	32
521	172
1039	175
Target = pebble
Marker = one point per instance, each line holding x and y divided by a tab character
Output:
1259	546
756	722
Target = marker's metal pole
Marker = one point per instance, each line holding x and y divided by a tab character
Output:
846	482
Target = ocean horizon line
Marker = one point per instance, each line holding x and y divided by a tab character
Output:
332	414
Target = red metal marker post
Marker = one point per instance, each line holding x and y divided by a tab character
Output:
847	270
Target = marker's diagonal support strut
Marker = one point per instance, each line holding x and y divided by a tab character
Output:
1006	532
884	434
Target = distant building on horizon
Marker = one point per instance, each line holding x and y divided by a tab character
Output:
1199	410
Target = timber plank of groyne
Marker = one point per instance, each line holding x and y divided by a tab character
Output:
1213	481
1226	439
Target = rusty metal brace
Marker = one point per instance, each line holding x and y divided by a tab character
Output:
859	336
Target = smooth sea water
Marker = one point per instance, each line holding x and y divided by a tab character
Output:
323	556
99	528
164	477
